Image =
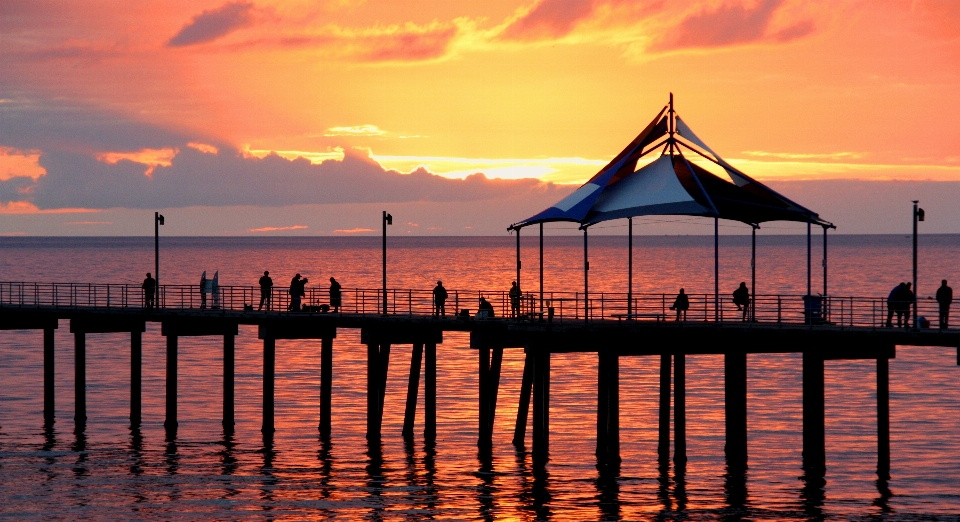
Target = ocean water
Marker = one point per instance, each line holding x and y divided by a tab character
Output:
110	472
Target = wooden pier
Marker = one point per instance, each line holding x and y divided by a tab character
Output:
610	338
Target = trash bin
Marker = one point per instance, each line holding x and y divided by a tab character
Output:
813	309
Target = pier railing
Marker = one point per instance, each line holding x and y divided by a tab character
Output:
558	307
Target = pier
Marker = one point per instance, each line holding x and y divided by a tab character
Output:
847	328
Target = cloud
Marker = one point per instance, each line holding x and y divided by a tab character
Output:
548	19
203	147
88	223
20	163
194	178
357	130
213	24
278	229
152	158
353	231
25	207
729	24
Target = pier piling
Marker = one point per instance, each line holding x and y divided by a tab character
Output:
735	406
326	376
608	408
883	418
80	379
229	365
378	360
813	412
663	448
269	382
49	403
489	387
170	422
430	393
136	377
413	387
541	406
523	408
679	408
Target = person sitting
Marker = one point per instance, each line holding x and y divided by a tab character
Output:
485	310
741	298
681	304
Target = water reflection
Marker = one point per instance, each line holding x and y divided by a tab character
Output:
486	490
326	467
608	497
49	442
376	481
883	500
267	472
228	464
735	491
136	452
680	486
429	476
663	484
812	492
80	448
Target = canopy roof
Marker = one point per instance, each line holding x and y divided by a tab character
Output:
671	185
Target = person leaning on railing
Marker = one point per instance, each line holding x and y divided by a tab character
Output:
681	304
149	287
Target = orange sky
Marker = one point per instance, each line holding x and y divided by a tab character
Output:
784	89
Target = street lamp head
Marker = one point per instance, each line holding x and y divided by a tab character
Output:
389	219
920	214
160	218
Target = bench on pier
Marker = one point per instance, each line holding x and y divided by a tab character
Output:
634	317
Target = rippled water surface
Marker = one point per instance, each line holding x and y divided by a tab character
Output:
109	472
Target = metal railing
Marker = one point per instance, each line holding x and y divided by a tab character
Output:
558	307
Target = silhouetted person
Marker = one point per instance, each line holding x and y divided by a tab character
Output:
439	300
266	290
203	290
893	303
741	298
944	298
681	304
485	306
336	298
149	291
898	302
296	290
515	294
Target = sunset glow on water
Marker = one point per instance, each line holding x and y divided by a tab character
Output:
109	473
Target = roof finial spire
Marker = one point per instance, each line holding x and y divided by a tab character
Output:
672	124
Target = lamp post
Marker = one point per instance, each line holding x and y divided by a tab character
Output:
157	221
387	220
918	215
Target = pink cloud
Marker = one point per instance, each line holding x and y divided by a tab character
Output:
278	229
730	24
549	19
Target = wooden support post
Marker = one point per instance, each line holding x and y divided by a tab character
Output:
269	381
663	449
541	406
482	410
49	375
384	366
229	365
493	387
170	422
136	377
523	409
883	418
608	408
413	387
679	409
378	359
326	376
430	393
735	405
813	412
80	379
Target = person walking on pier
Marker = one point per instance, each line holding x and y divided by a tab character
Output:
149	287
515	294
439	300
296	291
335	297
944	298
741	298
266	290
681	305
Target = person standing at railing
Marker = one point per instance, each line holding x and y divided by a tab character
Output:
515	294
336	299
944	298
266	290
439	300
741	298
149	287
296	291
681	305
203	290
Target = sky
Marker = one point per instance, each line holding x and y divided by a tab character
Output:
294	117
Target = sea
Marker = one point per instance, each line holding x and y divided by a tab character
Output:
110	472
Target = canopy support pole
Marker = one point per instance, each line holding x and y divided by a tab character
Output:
518	258
629	268
824	260
716	269
586	281
753	273
809	253
541	270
